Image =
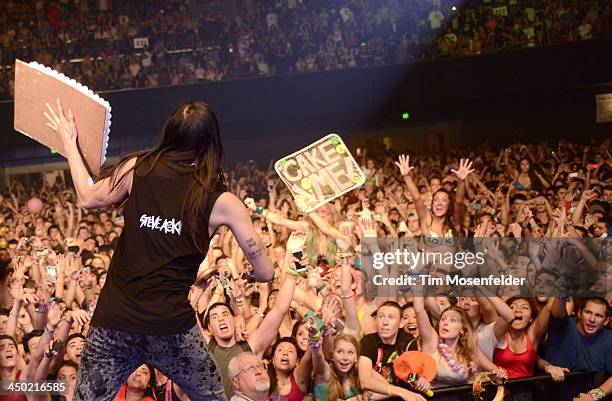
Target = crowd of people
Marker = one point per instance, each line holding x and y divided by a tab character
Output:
110	44
316	332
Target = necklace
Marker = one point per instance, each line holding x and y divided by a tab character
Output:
283	381
455	365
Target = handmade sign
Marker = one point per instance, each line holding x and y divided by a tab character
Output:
320	172
36	85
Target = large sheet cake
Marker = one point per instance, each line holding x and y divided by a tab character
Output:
36	85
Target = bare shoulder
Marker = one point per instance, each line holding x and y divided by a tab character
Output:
227	203
227	210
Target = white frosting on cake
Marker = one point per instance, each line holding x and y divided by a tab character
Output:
86	91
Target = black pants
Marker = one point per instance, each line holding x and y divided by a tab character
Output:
110	356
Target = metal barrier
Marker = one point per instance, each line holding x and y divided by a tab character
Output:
538	387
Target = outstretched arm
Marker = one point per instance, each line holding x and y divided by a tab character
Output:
405	168
265	334
465	169
428	333
229	210
91	195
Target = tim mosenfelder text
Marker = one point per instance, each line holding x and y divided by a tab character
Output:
406	258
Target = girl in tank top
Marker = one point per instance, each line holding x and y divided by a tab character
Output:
289	375
518	351
453	346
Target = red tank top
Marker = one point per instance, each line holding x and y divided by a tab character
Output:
14	396
294	395
517	365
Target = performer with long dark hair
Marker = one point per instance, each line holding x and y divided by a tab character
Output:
174	199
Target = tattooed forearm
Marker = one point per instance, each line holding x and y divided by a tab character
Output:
251	242
252	255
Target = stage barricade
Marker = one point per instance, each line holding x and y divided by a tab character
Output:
535	388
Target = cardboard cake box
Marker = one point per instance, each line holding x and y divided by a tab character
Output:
36	85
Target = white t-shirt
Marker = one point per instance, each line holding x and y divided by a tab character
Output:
435	19
486	339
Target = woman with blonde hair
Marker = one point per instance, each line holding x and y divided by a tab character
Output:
453	346
320	228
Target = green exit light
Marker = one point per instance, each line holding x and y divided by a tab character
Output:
53	151
405	116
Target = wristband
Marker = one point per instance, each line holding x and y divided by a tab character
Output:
292	272
344	260
597	394
259	210
314	341
318	322
321	288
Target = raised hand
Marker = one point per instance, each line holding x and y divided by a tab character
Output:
56	312
240	329
238	291
65	126
330	308
250	204
404	164
465	169
79	316
590	195
368	229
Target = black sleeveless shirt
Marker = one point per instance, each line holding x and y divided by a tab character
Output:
156	260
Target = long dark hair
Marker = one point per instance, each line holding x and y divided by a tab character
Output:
449	223
271	369
190	143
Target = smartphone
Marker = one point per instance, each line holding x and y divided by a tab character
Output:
56	347
298	255
339	325
74	249
52	273
573	175
377	217
594	165
250	277
477	206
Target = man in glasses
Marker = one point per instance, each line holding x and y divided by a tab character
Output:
250	378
